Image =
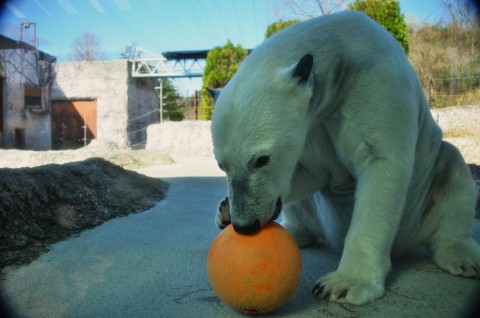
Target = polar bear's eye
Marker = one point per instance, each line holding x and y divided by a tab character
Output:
262	161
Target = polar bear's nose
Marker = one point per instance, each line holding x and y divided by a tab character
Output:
247	229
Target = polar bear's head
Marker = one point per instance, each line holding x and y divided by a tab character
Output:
259	127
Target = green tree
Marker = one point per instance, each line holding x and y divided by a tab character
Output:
277	26
386	13
171	109
221	65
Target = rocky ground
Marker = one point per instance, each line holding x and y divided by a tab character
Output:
46	204
47	196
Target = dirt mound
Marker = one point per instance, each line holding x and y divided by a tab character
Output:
46	204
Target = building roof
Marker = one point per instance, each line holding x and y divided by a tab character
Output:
7	43
188	55
185	55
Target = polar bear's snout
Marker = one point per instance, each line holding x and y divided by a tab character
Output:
257	223
247	229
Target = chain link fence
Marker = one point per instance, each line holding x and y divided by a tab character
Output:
453	91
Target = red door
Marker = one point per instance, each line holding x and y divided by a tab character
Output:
74	123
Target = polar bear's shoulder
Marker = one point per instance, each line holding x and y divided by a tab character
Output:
328	38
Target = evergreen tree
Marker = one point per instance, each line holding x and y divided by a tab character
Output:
171	109
277	26
386	13
221	65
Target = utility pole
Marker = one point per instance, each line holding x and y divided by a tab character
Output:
195	104
85	127
160	97
161	101
26	25
187	105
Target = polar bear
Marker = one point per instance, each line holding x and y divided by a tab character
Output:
327	121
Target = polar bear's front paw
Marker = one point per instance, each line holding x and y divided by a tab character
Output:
222	218
460	258
346	288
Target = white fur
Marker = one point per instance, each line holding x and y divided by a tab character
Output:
355	155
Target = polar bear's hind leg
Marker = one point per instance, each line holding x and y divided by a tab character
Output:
450	218
300	219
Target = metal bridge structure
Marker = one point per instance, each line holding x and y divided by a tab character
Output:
177	64
173	64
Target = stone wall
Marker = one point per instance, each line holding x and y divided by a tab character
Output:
181	138
459	124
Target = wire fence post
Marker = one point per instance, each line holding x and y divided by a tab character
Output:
453	91
430	84
85	129
195	104
161	101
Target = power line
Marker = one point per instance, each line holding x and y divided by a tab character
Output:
141	116
454	78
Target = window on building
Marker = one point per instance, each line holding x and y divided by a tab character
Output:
33	97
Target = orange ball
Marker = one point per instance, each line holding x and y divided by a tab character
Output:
255	273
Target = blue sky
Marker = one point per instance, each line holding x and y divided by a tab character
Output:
157	25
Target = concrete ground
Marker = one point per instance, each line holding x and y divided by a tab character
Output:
153	264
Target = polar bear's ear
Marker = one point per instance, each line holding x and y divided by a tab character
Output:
303	68
214	93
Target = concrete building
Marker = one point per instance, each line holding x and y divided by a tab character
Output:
26	75
114	105
46	105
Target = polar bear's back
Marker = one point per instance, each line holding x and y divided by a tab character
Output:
359	69
348	33
351	52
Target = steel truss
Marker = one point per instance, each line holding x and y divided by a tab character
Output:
147	64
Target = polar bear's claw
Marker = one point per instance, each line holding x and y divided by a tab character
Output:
222	217
343	288
459	258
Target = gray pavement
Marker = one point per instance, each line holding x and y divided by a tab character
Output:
153	264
